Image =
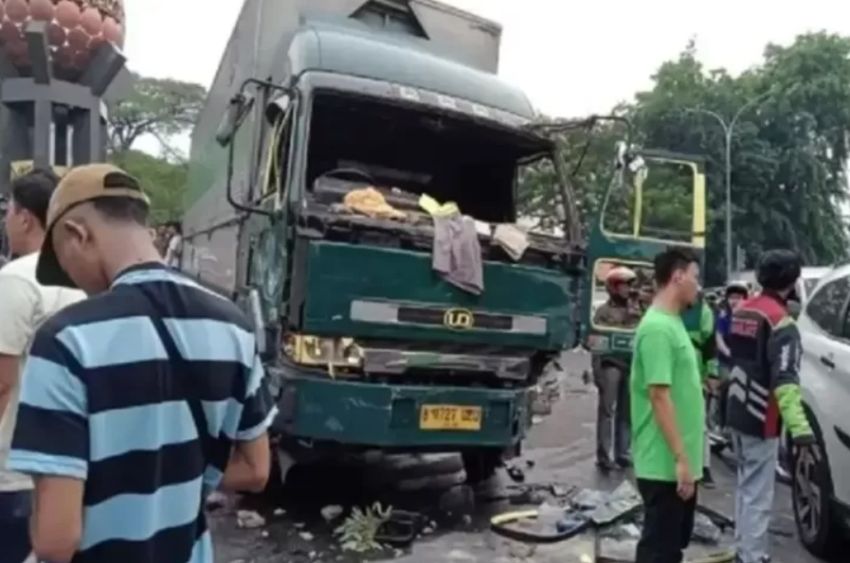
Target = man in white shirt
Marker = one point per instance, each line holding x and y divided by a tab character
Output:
174	251
24	306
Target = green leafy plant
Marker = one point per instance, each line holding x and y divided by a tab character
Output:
359	530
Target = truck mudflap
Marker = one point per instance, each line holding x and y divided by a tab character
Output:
402	416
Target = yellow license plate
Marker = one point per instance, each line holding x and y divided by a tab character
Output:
449	417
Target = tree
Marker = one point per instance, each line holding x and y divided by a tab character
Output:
589	154
789	152
162	108
162	180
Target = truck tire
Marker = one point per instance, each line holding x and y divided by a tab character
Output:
481	464
812	492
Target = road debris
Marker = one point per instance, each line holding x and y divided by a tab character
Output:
522	551
279	512
515	473
401	528
623	502
249	519
457	501
631	531
216	500
561	492
614	517
459	555
332	512
705	530
358	532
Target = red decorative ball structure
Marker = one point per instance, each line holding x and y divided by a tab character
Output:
76	28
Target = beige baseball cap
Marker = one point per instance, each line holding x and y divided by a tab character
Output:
80	185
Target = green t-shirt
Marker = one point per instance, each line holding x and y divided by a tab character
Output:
665	355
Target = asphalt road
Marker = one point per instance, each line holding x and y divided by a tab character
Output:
559	451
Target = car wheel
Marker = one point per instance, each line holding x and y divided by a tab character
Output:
812	494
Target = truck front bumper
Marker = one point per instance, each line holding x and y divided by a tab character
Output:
388	416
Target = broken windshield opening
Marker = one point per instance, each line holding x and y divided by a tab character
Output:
375	143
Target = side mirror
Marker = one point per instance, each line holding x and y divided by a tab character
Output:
277	108
233	118
638	165
622	155
256	316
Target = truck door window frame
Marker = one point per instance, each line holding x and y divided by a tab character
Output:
698	205
278	146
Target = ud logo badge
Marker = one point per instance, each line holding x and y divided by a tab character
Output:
459	319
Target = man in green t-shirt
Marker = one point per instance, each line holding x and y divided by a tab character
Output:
668	412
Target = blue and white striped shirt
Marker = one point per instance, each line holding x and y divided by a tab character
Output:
141	392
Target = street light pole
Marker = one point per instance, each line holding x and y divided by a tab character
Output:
728	131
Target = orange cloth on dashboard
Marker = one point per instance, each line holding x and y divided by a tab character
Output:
372	203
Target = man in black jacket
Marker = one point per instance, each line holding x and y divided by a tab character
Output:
765	356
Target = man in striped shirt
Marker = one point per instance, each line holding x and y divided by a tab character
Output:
139	401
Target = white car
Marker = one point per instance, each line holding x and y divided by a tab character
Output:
821	477
807	284
809	280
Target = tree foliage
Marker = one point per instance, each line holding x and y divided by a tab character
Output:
537	198
162	108
789	149
162	180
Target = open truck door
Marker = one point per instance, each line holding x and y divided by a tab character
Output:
259	193
657	199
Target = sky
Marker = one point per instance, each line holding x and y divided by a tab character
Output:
572	58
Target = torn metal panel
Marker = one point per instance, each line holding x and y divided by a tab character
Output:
398	362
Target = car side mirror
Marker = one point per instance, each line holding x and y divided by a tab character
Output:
239	108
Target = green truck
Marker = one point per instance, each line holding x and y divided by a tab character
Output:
366	345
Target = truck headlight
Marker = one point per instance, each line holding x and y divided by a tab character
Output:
324	352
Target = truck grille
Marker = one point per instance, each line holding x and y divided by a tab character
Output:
436	317
396	314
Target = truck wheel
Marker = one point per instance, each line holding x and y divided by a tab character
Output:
812	494
481	465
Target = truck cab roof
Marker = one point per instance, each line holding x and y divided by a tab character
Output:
398	59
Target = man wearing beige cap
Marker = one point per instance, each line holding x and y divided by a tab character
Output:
139	401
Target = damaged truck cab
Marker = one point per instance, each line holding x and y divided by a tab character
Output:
320	104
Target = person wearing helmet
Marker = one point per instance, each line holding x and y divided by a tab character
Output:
765	351
735	293
618	311
610	374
